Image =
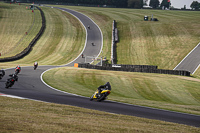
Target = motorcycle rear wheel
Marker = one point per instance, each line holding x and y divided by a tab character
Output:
103	96
7	85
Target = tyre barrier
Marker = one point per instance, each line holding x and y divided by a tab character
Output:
114	47
28	49
134	68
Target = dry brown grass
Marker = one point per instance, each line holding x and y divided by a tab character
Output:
18	115
15	21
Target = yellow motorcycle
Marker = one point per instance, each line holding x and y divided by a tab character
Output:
102	96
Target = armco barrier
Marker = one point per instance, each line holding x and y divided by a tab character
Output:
32	43
134	68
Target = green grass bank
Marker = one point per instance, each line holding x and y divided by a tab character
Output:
19	25
62	41
176	93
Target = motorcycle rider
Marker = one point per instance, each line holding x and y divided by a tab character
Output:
2	73
107	86
11	80
18	68
13	76
35	65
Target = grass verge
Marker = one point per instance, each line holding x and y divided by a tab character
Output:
15	21
19	115
62	41
176	93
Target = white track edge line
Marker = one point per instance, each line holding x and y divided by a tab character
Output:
187	55
196	69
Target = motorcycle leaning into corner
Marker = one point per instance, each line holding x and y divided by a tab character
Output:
35	65
100	97
10	82
101	93
17	69
2	73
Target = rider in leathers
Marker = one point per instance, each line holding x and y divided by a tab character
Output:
18	68
107	86
13	76
35	65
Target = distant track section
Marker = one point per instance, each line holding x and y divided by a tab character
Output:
191	62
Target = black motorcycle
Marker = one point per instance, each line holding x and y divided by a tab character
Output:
1	76
35	67
2	73
10	82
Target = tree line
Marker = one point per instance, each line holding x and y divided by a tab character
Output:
195	5
156	3
113	3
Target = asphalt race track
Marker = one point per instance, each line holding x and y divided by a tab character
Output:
191	62
30	86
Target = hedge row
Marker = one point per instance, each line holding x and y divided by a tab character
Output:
32	43
135	68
